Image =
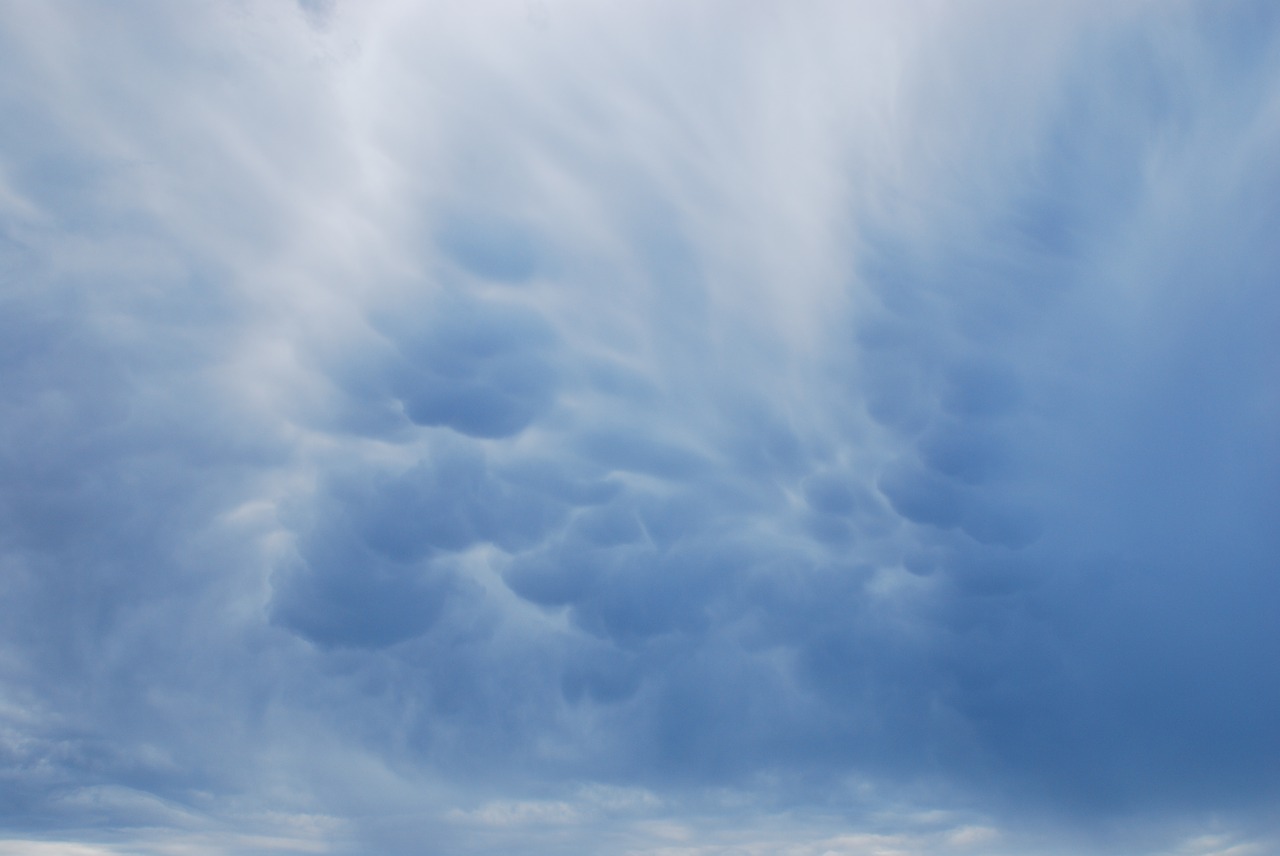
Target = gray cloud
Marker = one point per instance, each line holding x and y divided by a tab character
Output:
619	433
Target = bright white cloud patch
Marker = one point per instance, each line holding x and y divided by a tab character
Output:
644	428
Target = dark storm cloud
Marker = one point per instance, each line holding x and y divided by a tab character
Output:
426	431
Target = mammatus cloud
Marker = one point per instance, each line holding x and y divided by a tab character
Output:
642	429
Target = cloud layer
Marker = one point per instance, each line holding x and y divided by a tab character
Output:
639	428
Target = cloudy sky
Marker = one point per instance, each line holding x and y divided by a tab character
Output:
562	427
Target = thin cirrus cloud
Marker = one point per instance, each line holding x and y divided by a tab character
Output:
639	429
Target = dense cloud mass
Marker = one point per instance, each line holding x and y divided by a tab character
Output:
639	428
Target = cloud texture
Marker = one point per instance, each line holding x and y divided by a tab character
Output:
640	428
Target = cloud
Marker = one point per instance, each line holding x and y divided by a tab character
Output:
639	428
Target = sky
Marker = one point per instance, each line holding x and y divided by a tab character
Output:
659	428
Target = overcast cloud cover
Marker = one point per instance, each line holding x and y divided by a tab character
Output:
664	428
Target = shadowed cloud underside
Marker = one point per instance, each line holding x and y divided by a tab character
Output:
640	428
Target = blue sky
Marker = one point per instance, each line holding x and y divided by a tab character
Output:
639	429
